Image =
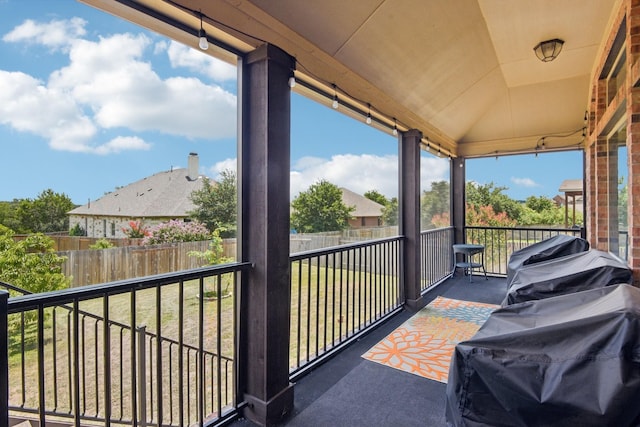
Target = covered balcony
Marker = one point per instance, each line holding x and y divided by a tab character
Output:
460	78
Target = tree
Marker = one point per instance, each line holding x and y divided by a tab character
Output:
47	213
490	195
9	215
31	263
377	197
539	203
390	212
216	204
320	208
623	203
435	203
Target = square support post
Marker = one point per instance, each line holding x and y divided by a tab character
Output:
458	206
264	162
409	205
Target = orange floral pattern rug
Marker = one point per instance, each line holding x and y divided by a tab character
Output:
423	345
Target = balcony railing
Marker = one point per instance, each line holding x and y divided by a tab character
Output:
339	293
501	242
155	350
437	261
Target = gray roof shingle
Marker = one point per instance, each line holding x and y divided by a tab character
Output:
165	194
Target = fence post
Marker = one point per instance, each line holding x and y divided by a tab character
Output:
142	376
4	359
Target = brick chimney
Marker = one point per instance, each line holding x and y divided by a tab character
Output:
192	167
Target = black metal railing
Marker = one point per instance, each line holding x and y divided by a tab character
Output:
435	249
155	350
501	242
339	293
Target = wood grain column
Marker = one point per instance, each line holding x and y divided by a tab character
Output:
264	162
409	215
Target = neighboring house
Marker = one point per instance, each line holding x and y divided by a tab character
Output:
152	200
367	213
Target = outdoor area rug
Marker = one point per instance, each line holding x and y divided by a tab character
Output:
423	345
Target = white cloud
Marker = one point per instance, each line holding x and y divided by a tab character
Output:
123	143
226	164
524	182
361	173
358	173
108	84
56	34
29	106
197	61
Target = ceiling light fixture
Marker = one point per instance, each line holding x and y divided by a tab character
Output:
369	115
395	127
548	50
203	43
335	103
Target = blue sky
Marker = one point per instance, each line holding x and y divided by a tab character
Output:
89	102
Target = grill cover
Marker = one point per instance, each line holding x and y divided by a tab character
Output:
572	360
553	247
568	274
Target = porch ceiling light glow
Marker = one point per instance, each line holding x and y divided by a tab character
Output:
549	50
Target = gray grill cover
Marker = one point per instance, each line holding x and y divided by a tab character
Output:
572	360
568	274
553	247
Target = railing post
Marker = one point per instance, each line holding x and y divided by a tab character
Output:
142	376
4	360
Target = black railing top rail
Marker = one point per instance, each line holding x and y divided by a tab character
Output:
487	227
14	288
60	297
436	230
347	246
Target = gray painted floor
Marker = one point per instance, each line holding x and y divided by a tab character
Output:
350	391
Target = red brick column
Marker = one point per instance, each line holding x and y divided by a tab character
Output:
633	137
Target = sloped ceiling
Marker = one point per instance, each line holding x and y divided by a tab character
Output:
461	71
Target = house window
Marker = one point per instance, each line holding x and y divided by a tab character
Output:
113	229
104	228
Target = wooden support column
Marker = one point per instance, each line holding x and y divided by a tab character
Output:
409	205
458	205
264	162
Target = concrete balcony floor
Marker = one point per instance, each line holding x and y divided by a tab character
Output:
349	391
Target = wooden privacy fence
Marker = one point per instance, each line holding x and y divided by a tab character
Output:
88	267
129	260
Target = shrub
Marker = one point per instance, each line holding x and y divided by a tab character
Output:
76	230
102	244
32	263
136	230
177	231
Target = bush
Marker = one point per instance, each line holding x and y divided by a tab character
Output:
102	244
76	230
32	263
136	230
177	231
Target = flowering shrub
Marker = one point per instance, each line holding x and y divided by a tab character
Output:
485	216
176	231
136	230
